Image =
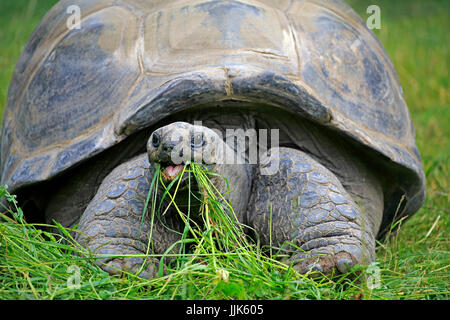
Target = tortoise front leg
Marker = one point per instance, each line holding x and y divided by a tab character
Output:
306	205
111	223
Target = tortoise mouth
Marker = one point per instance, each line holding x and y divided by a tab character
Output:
170	171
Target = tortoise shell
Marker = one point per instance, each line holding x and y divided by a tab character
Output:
77	92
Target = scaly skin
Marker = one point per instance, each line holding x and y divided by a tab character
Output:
312	210
308	206
110	224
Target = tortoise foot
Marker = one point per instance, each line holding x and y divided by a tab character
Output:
326	260
144	268
115	228
309	214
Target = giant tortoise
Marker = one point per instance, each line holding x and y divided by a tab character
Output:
92	110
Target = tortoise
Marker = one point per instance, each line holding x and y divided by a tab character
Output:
92	111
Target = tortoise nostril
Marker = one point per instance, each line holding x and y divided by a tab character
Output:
167	147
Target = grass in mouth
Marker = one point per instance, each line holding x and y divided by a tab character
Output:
218	242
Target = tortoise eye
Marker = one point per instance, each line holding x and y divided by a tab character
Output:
156	140
197	140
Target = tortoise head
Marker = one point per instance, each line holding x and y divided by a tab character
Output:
180	143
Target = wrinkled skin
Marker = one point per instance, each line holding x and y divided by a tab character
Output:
310	208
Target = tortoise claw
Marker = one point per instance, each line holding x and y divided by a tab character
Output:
132	265
340	263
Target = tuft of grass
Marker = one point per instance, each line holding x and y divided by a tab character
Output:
37	264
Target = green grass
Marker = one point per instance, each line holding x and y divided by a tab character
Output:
222	263
413	265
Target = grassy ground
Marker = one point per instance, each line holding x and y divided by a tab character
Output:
413	265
